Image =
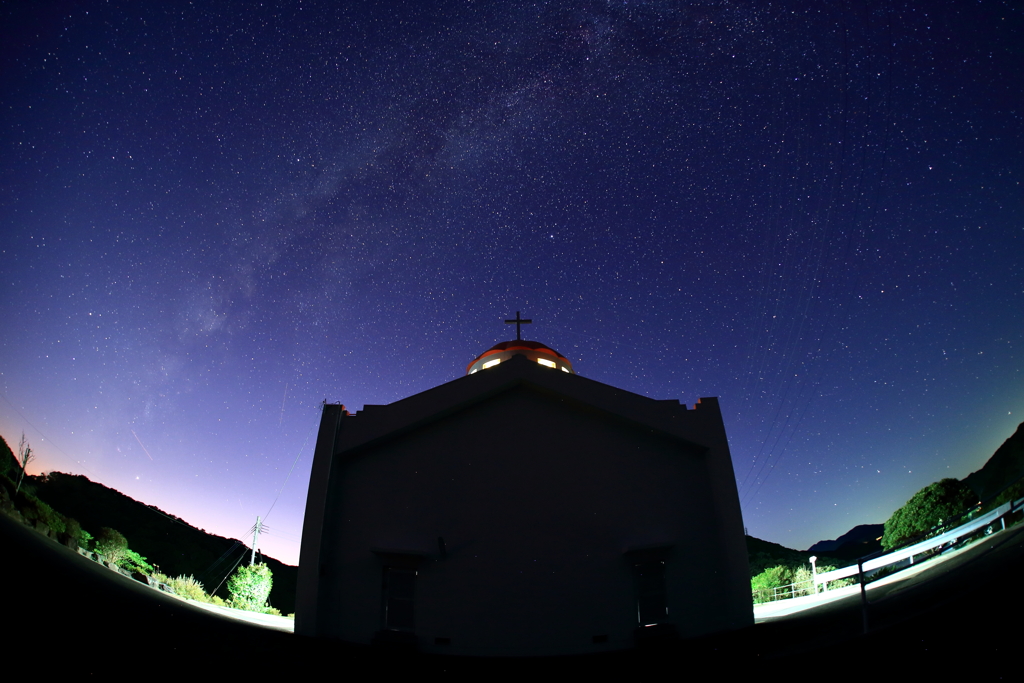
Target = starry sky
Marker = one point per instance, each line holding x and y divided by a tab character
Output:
215	216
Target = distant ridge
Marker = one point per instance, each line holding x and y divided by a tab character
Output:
1004	467
764	554
859	541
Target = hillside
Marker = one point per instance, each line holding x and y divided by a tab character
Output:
1005	467
764	554
176	546
859	541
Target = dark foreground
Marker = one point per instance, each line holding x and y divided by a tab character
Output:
62	613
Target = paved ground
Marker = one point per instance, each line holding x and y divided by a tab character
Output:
64	614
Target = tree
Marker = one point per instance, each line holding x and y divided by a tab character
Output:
25	456
934	505
135	563
763	584
111	544
250	587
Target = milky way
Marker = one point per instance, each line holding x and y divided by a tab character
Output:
213	219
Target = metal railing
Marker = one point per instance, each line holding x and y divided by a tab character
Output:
791	590
908	553
861	571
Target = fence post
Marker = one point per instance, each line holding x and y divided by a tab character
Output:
863	595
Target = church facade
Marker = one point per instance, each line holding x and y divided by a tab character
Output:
522	510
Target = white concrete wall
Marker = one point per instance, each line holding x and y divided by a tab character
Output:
537	500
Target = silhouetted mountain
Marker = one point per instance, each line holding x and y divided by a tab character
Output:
765	554
1005	467
177	547
8	462
859	541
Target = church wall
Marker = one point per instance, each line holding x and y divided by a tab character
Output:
537	500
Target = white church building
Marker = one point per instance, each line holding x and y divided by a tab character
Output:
522	510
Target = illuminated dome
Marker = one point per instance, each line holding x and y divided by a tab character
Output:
535	351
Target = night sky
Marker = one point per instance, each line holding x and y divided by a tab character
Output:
215	216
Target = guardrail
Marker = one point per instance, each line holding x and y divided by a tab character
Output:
867	564
951	536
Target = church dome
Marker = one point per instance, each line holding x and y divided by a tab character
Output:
535	351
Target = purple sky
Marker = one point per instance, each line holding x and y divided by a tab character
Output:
215	216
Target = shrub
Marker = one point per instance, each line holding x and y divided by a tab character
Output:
57	522
838	583
73	529
188	587
111	544
763	584
250	587
134	562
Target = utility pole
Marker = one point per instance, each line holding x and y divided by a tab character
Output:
255	539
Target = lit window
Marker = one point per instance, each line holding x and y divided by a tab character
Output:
565	369
490	363
546	362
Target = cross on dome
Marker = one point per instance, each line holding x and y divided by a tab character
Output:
540	353
519	322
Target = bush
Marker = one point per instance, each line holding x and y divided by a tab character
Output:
250	587
73	529
111	544
134	562
36	510
188	587
763	584
838	583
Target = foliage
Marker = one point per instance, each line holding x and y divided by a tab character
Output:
73	529
838	583
763	584
250	587
134	562
7	460
85	539
57	522
179	549
800	579
804	581
34	509
1010	493
188	587
111	544
934	505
